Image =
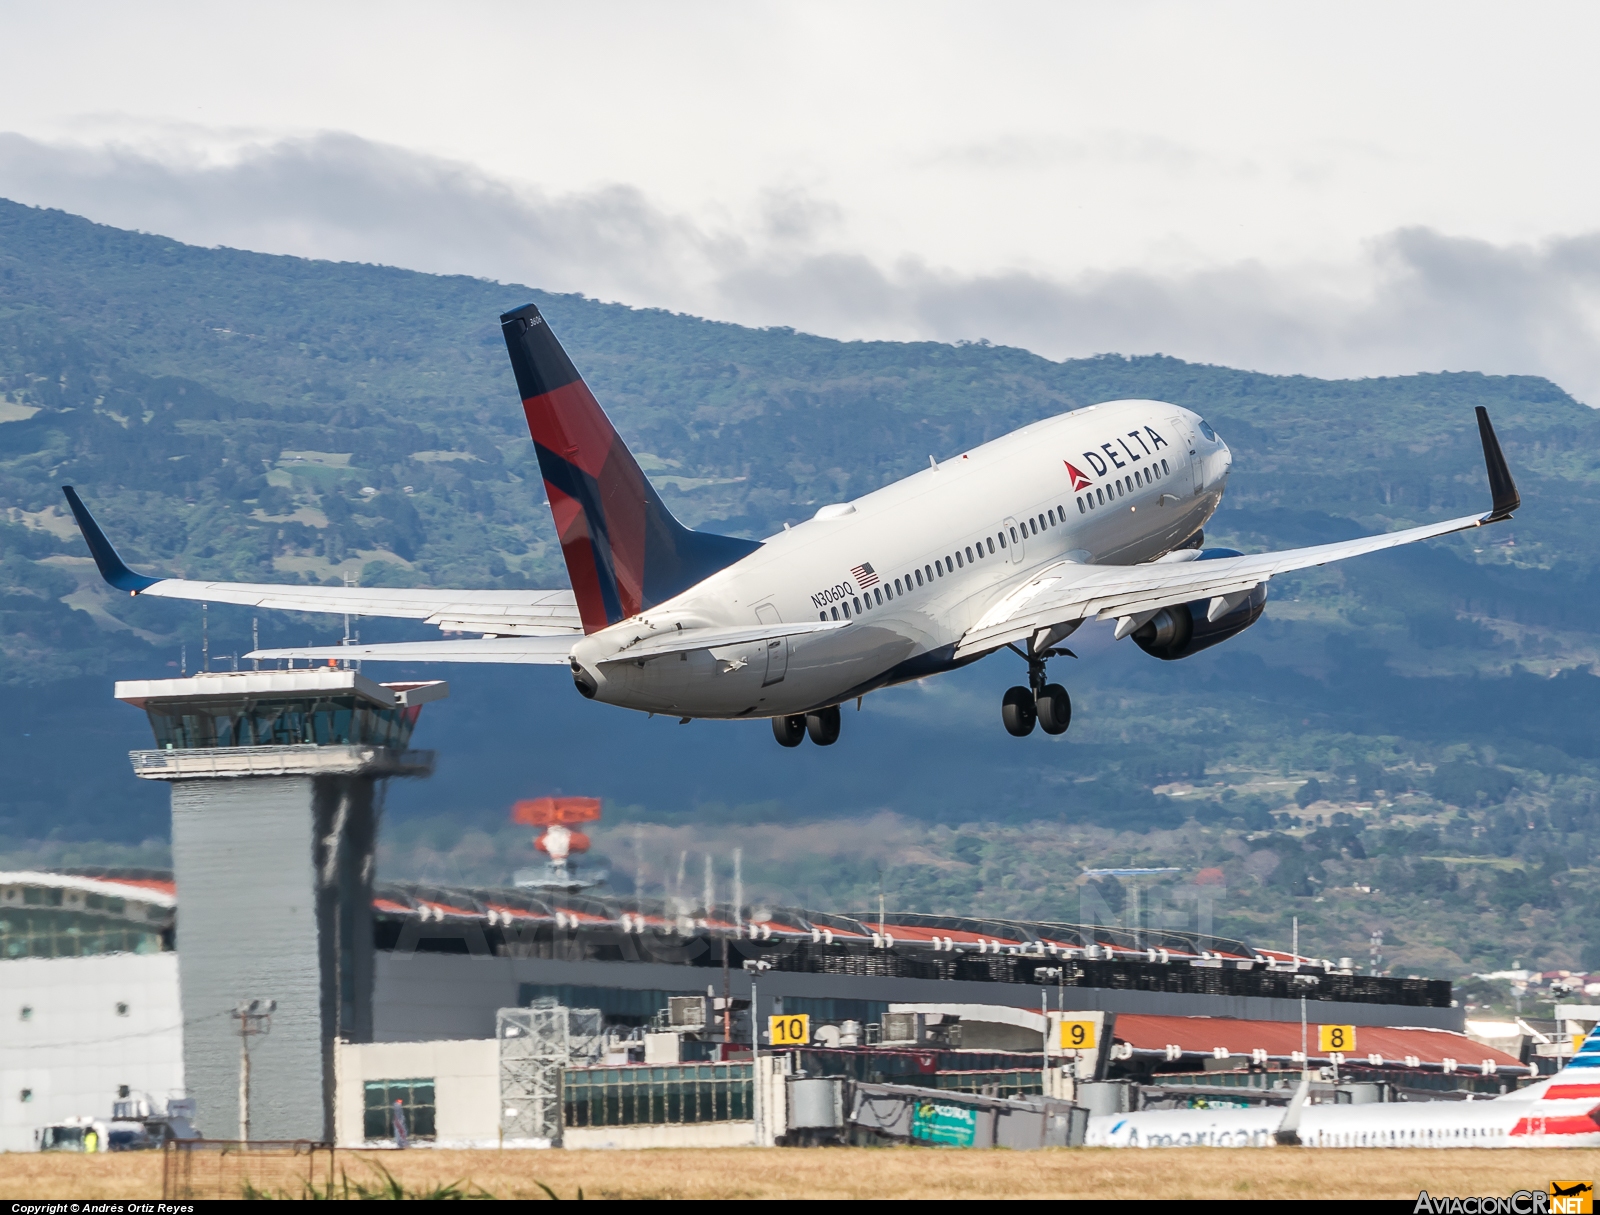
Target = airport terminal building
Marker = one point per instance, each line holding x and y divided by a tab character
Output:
90	961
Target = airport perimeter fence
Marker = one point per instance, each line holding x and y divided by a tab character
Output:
232	1168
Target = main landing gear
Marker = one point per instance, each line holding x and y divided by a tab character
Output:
823	726
1042	703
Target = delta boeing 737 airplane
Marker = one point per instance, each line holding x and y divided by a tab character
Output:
1093	515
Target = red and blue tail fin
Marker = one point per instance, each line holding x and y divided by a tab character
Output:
625	552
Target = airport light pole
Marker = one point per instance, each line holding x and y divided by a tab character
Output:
757	1107
254	1017
1044	974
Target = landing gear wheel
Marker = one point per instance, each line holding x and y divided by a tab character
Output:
1055	709
1018	712
790	731
823	726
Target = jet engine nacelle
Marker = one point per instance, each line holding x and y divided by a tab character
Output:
1181	630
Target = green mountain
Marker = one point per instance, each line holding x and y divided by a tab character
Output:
237	415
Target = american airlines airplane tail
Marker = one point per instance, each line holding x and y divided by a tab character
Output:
1580	1078
624	550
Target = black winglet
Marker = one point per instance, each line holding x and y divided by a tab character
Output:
1501	486
112	567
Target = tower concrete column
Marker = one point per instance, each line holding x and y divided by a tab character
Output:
277	780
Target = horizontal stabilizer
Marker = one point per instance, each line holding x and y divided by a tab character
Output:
683	641
550	651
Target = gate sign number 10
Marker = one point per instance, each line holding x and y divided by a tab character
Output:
792	1030
1077	1035
1339	1039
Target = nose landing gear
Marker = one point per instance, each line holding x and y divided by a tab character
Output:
1042	703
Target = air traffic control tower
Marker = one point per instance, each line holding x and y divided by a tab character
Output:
276	793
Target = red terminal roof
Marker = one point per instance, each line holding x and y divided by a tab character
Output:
1203	1035
159	885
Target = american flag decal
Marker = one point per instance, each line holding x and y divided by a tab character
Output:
864	575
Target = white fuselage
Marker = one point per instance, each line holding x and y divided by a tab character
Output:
942	546
1509	1121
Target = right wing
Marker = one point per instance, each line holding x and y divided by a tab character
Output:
502	613
1049	604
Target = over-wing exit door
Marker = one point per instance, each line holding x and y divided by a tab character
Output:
777	647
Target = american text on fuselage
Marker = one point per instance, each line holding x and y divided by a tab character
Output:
914	565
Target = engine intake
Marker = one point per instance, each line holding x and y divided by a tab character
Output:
1182	629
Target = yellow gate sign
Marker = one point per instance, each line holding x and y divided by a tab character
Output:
1078	1035
791	1030
1340	1039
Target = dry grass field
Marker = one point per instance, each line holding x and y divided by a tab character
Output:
879	1173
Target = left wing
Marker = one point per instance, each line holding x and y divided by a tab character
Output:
1069	592
509	613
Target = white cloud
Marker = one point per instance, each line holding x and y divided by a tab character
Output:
1414	299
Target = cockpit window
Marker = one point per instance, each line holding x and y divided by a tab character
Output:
1205	429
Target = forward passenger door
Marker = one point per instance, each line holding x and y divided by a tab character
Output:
1191	457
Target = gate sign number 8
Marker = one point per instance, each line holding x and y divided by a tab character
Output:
1336	1039
1077	1035
792	1030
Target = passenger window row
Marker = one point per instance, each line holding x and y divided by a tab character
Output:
1122	485
1103	495
970	554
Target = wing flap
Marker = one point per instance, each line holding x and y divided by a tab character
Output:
476	611
1070	592
529	613
546	651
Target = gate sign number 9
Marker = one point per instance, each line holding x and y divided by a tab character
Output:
791	1030
1078	1035
1339	1039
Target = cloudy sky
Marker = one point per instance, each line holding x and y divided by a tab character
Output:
1340	189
